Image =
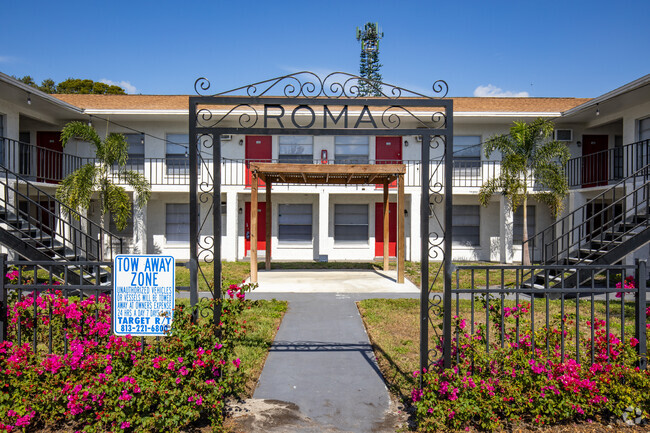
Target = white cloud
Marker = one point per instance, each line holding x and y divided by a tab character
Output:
128	87
494	91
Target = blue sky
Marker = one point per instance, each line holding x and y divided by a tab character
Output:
552	48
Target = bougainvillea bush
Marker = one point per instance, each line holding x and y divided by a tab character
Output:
523	384
109	383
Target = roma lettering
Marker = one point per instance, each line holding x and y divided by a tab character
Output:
304	117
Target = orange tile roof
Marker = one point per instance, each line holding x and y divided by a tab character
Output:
127	102
181	102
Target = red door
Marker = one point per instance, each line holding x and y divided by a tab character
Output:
379	229
258	149
261	227
388	150
49	156
594	160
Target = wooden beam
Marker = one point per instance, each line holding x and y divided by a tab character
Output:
304	177
350	178
269	213
386	228
253	233
371	178
364	169
282	178
401	248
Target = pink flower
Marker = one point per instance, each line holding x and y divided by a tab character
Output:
125	424
633	342
236	362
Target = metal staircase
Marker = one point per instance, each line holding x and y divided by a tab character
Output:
603	231
38	227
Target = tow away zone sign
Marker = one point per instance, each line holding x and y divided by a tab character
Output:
143	294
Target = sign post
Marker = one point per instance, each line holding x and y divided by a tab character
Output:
144	288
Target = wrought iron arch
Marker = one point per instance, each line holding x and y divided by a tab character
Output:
261	109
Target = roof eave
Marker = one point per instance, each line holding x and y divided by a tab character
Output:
39	93
634	85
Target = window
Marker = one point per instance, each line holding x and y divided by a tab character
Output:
294	223
298	149
466	225
518	224
2	141
644	129
467	155
351	223
643	158
127	232
351	149
177	222
176	157
136	151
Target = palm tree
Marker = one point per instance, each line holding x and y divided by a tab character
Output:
528	154
79	187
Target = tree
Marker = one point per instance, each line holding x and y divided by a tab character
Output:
528	154
369	64
73	85
79	187
76	85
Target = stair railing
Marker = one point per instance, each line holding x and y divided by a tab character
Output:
47	221
609	208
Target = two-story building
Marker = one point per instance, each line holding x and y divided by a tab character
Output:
607	136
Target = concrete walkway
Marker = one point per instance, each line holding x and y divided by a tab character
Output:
322	363
332	281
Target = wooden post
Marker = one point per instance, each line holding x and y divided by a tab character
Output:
253	234
386	228
400	229
269	212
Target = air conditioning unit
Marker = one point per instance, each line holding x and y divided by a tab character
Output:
226	137
563	135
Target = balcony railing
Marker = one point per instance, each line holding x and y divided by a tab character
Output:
608	166
51	166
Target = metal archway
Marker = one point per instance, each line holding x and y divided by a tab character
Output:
310	105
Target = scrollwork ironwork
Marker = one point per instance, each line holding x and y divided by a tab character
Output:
309	84
245	120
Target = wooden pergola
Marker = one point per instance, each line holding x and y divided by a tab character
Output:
328	174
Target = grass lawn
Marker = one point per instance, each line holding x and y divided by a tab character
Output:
236	272
262	323
393	329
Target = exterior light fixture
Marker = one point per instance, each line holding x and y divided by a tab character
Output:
597	110
90	121
241	142
406	143
29	99
142	138
579	143
241	211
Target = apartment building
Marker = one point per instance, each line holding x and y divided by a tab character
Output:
607	136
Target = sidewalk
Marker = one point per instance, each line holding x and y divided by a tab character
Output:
322	363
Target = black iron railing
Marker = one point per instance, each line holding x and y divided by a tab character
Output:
38	163
34	216
33	295
608	166
47	165
495	306
609	217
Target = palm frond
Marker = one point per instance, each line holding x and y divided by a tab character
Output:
81	131
140	185
76	190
